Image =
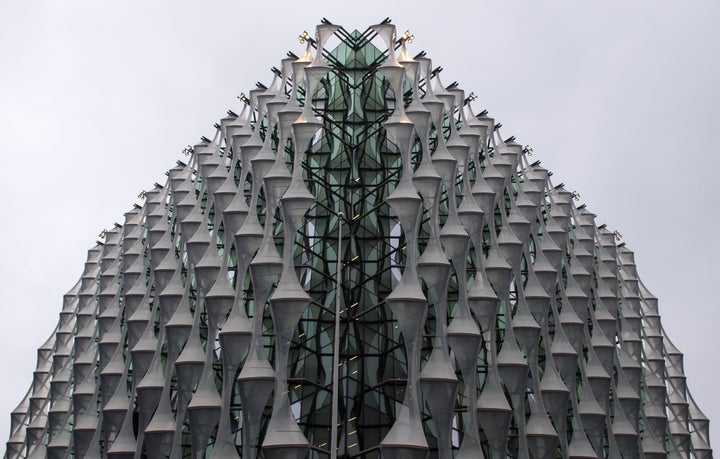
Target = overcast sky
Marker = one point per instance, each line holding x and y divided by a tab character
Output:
620	99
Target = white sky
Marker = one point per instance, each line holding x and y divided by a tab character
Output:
619	99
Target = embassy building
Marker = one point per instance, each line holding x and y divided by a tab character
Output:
358	265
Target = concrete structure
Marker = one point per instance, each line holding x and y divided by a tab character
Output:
375	273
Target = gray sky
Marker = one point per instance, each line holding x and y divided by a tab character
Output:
619	99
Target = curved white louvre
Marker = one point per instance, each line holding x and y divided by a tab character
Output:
377	273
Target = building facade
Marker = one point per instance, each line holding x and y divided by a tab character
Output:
358	265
